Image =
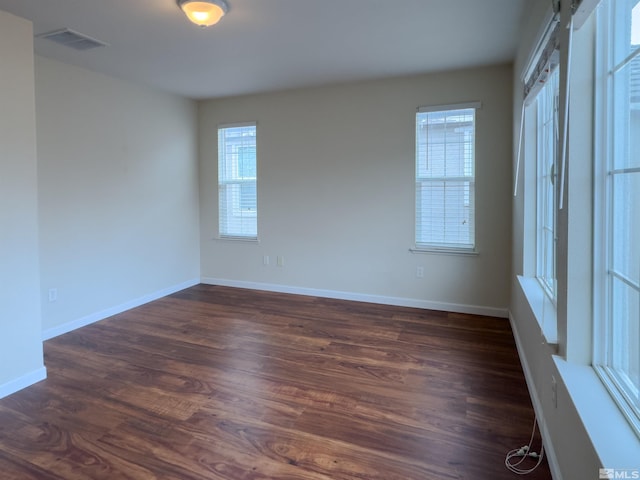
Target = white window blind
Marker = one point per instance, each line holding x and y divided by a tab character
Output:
445	177
237	181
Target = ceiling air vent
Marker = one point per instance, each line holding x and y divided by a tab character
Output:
72	39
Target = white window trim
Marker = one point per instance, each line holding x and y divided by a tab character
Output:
447	249
543	308
541	251
236	237
614	441
231	238
601	223
542	300
451	106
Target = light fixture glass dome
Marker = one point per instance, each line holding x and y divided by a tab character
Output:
204	13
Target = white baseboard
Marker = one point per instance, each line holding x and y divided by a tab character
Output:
101	315
549	451
24	381
361	297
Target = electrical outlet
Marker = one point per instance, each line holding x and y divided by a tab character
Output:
280	261
554	392
419	272
265	260
53	294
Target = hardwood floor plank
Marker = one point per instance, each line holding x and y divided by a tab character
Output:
14	468
223	383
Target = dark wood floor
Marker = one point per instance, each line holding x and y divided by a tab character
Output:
222	383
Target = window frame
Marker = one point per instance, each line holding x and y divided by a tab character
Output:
546	184
235	222
423	245
608	326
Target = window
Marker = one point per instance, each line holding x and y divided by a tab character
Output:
237	185
617	222
546	165
445	178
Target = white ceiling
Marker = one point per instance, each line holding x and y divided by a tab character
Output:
267	45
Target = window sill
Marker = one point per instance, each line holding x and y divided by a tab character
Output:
445	251
543	309
236	239
613	439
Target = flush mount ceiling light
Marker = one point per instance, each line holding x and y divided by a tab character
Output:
204	13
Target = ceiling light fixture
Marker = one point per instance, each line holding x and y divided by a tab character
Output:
204	13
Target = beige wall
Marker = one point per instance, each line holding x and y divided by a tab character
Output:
20	345
118	194
336	192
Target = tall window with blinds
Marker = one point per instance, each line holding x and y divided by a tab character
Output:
445	178
237	181
617	223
